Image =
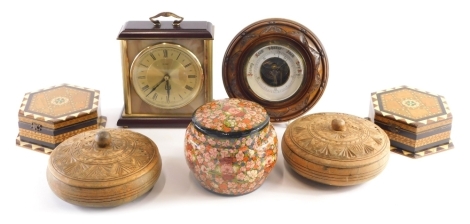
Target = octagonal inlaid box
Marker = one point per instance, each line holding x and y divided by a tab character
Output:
49	116
417	122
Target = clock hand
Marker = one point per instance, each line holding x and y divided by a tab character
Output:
155	86
168	88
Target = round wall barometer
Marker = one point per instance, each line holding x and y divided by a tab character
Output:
279	64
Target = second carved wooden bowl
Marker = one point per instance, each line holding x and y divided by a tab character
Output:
335	149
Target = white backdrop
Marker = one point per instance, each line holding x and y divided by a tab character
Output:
370	45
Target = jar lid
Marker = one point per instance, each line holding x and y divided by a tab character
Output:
230	117
104	158
336	136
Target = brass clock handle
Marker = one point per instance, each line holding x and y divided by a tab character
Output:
166	14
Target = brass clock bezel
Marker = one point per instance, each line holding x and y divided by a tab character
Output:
277	30
191	57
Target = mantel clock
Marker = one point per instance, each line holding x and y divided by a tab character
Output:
166	70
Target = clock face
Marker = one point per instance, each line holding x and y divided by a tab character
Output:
166	76
274	72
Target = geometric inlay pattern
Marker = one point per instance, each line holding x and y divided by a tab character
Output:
427	152
39	148
410	106
59	103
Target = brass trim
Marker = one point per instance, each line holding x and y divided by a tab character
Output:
208	70
176	23
135	109
156	115
126	76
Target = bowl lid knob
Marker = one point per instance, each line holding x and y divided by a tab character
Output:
103	138
338	124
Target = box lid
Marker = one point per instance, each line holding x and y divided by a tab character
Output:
59	106
415	108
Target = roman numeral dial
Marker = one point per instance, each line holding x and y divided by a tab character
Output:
166	76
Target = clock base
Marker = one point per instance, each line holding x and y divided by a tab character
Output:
153	122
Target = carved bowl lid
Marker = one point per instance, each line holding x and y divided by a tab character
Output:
104	158
336	138
230	117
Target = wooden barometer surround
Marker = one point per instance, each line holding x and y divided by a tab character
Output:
279	64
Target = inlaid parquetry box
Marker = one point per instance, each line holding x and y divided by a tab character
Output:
417	122
49	116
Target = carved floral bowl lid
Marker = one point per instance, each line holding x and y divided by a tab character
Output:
104	168
230	117
336	148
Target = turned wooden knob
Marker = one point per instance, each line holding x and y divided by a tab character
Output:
338	124
103	139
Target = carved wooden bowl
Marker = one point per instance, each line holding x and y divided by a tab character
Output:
335	149
104	168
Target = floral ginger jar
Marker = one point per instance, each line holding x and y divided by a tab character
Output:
231	146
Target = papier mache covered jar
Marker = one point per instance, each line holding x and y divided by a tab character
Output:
231	146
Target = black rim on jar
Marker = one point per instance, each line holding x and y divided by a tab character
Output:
238	134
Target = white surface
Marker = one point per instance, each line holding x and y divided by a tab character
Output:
370	46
